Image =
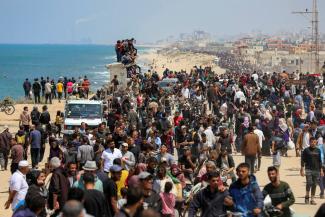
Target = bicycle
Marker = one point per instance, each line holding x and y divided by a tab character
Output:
7	107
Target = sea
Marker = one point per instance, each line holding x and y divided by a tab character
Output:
18	62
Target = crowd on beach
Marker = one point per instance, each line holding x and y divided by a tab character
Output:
47	89
167	151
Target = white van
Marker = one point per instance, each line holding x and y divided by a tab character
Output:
78	111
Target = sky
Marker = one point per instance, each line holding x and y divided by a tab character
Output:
105	21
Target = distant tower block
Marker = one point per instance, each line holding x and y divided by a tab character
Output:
119	70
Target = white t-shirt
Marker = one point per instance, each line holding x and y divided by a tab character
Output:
260	135
18	183
48	87
305	140
240	95
186	92
255	77
108	156
210	137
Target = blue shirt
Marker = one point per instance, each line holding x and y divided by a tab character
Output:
36	139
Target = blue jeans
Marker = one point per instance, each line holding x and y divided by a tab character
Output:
322	184
251	161
35	155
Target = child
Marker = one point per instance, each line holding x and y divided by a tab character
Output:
58	122
121	202
168	201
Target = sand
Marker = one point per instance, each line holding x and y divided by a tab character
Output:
176	60
289	170
13	121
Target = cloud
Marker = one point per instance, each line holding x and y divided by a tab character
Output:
85	19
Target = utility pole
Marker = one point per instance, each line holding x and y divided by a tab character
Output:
315	34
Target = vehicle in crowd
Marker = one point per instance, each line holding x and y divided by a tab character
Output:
87	111
167	84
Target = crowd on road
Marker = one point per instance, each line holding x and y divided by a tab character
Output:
169	150
47	89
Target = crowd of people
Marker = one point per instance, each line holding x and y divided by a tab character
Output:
125	51
47	89
163	151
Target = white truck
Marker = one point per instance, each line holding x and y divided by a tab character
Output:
78	111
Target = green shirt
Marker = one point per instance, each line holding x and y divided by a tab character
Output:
280	194
80	184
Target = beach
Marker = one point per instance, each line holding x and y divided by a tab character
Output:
176	60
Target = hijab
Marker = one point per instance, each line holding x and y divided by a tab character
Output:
282	124
246	122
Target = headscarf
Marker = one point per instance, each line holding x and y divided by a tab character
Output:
311	116
246	122
282	124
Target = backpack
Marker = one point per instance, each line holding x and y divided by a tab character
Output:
21	139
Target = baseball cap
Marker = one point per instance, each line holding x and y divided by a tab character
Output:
115	168
144	175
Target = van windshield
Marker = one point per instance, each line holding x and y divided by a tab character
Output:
83	111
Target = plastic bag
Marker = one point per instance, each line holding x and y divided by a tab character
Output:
291	145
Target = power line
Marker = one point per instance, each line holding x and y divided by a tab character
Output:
315	34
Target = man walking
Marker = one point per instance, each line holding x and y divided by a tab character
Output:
110	188
35	140
5	138
18	186
109	155
279	192
59	186
128	159
17	155
261	138
251	148
25	119
311	166
45	118
85	152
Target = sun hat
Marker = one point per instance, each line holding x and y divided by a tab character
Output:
90	166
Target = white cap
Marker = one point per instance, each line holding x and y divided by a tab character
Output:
23	163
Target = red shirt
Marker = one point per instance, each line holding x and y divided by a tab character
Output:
177	120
